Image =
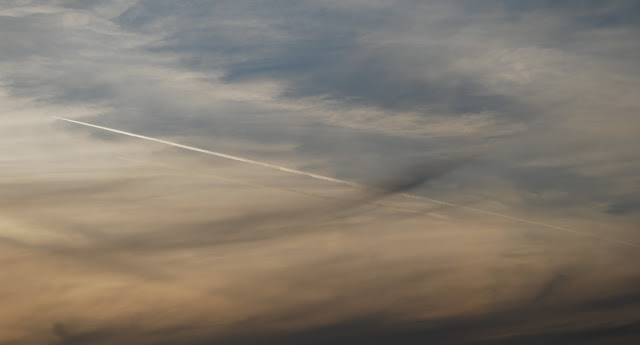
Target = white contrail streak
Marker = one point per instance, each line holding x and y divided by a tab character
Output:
353	184
219	154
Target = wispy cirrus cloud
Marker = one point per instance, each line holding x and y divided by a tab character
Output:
108	240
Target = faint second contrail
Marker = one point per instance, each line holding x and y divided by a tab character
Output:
349	183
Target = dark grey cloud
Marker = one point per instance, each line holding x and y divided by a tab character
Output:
320	50
524	322
623	207
67	337
587	13
14	33
358	54
74	4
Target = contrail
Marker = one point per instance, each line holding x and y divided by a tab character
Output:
219	154
349	183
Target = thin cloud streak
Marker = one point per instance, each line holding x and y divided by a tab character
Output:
395	188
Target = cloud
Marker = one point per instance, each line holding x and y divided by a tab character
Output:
339	57
525	321
624	207
110	240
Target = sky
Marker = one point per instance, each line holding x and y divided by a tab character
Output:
493	144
